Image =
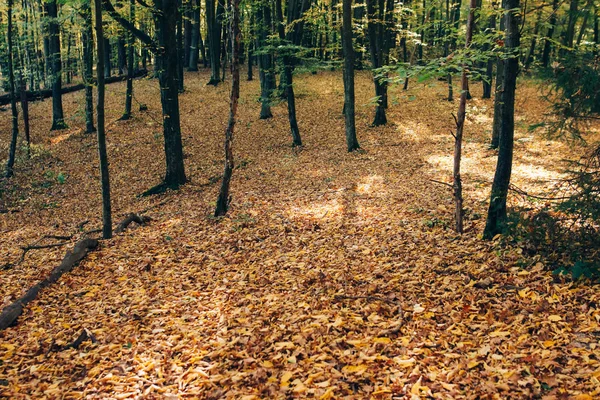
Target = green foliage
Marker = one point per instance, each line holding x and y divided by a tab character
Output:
574	90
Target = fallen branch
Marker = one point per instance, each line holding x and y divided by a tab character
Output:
83	336
339	297
10	313
139	219
442	183
36	246
43	94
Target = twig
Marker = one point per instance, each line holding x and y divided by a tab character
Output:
524	193
339	297
442	183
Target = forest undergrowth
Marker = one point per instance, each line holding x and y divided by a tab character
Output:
334	275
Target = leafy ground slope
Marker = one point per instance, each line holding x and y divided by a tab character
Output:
334	275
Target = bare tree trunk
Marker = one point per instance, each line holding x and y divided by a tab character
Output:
58	120
195	36
496	219
88	60
130	44
224	198
106	207
460	124
349	102
13	96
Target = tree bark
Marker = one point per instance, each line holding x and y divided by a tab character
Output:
195	36
102	154
460	124
13	95
213	23
548	41
58	120
265	61
224	198
88	59
496	219
349	103
130	43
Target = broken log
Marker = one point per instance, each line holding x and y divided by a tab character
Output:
138	219
44	94
11	312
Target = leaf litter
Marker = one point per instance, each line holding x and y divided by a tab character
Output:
333	276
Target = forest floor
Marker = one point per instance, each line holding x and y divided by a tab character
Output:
334	275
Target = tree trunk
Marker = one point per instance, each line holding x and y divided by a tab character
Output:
58	120
25	108
107	59
224	198
376	31
549	35
489	70
213	23
180	50
130	43
531	52
349	103
460	124
497	123
88	59
195	36
572	21
496	219
106	207
13	95
265	61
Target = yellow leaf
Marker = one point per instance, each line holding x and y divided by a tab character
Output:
382	391
327	395
355	369
404	363
267	364
555	318
548	343
382	340
472	364
583	397
285	378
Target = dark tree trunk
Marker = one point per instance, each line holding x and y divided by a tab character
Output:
548	41
88	60
180	50
349	103
187	31
489	70
165	49
265	61
460	124
250	62
377	32
58	120
195	36
224	198
496	219
531	52
130	43
107	59
13	95
106	207
25	108
213	23
497	123
572	21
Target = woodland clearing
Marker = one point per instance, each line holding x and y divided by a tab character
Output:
335	274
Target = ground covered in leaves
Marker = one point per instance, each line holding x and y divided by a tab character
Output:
333	276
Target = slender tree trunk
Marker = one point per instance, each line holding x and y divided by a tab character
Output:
250	62
571	22
224	198
460	124
105	181
376	31
548	41
13	96
187	31
213	23
349	103
496	219
130	44
25	108
265	61
88	60
195	36
531	52
180	49
497	123
58	120
107	59
489	70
